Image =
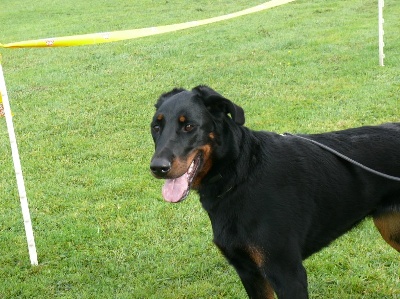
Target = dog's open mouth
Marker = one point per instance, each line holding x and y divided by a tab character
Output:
176	190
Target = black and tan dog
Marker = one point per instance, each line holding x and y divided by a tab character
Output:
273	200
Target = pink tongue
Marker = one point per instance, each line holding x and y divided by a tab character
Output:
173	190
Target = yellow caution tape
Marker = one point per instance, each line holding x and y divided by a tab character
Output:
107	37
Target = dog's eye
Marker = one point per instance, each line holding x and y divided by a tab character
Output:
156	128
188	127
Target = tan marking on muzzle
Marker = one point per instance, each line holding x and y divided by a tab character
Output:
207	164
181	165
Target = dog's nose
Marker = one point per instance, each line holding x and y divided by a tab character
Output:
160	166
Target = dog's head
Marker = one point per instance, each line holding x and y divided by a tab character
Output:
186	130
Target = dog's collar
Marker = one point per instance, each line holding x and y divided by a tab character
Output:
225	192
216	178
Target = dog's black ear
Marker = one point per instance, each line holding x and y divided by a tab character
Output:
167	95
214	101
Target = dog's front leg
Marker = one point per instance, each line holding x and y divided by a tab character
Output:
247	261
262	273
262	282
255	284
288	278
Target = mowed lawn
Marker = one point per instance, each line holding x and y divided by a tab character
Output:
82	115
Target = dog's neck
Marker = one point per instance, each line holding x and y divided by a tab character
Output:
231	171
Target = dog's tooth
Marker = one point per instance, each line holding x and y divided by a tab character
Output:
191	168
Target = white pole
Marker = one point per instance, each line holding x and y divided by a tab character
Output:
18	171
381	4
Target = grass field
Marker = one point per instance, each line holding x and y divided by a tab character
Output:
82	118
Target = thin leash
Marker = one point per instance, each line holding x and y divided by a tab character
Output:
344	157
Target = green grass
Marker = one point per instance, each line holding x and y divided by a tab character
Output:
82	117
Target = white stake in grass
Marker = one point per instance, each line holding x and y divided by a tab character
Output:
18	171
381	4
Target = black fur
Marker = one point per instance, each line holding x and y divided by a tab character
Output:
275	200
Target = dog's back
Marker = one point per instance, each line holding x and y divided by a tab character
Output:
346	193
